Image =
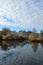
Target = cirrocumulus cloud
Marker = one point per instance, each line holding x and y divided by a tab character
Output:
21	13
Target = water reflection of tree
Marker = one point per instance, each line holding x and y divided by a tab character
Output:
35	46
4	45
19	43
41	44
0	42
8	44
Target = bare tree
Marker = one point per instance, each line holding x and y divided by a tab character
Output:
34	30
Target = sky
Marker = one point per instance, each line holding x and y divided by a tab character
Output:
21	14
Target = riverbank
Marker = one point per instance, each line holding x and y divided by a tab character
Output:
37	41
7	34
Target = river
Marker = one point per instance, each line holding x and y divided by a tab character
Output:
21	53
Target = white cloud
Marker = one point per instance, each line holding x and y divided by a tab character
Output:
25	13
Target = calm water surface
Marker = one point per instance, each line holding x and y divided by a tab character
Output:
21	53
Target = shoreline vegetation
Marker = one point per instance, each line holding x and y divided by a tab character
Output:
12	38
7	34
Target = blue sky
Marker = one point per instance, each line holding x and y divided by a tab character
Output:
21	14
